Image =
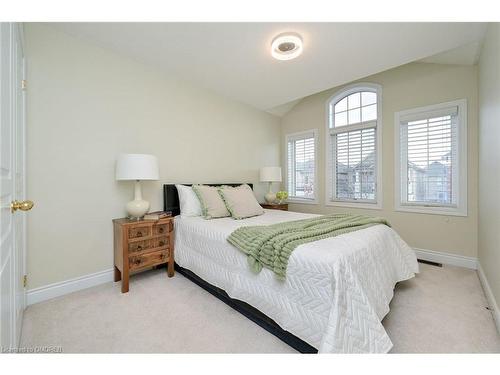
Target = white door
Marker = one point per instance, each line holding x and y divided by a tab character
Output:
12	185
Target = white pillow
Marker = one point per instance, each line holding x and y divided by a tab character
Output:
188	201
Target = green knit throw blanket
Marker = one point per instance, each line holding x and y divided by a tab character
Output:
271	245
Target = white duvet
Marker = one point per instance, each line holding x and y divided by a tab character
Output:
336	292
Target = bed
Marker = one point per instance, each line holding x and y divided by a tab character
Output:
336	292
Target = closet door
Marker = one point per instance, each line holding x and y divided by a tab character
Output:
12	185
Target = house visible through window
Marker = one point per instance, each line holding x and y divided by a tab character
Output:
301	166
432	157
352	165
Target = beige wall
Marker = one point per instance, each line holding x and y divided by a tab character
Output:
406	87
489	158
85	106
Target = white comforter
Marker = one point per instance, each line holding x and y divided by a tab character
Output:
336	291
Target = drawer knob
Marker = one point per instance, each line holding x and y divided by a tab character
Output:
162	243
137	261
139	234
139	247
160	230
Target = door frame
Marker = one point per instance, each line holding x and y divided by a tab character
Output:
24	226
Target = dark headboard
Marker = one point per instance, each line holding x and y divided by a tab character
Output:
171	197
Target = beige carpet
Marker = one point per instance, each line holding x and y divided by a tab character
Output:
442	310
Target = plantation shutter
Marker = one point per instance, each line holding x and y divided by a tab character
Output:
355	163
301	166
429	158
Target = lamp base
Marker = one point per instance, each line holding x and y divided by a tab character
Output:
137	208
270	198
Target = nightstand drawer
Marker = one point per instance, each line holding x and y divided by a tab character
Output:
141	245
150	259
162	228
139	231
152	244
162	241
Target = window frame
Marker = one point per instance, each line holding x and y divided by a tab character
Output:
400	203
296	136
330	184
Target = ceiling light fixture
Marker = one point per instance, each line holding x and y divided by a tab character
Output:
286	46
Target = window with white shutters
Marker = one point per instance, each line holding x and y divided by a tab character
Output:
301	166
353	154
431	146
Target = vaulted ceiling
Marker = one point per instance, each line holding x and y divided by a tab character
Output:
233	59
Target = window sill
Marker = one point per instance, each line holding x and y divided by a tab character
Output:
301	201
444	211
361	205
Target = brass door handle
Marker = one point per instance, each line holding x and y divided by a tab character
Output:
21	205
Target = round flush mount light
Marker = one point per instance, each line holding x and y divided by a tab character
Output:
286	46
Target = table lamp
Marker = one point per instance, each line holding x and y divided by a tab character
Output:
137	167
270	174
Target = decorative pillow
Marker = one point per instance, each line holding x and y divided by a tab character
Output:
212	205
240	201
188	201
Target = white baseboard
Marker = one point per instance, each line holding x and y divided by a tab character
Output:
69	286
446	258
489	296
46	292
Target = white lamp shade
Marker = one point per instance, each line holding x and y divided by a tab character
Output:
270	174
137	167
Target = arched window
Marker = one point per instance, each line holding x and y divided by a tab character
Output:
353	157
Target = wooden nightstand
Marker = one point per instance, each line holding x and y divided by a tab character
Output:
282	207
142	244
